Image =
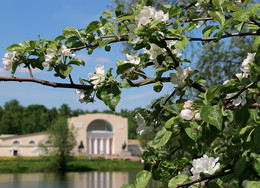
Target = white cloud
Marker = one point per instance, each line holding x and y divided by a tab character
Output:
3	72
25	70
138	96
84	57
103	60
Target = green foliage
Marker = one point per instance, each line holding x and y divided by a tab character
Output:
215	136
63	141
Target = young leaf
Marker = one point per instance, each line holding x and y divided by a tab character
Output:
93	26
111	96
142	179
211	92
158	86
180	178
212	115
161	138
219	16
15	47
76	62
124	67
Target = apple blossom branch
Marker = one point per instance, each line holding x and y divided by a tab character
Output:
204	178
123	38
240	92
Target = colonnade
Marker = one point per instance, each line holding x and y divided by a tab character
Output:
99	145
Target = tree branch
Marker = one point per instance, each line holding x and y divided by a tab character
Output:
203	179
215	38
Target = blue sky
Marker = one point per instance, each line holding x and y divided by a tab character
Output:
25	20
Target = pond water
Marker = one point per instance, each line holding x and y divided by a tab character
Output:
70	180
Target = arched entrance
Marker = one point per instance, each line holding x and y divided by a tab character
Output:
99	137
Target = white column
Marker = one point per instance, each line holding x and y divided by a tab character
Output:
107	146
95	146
101	145
89	146
95	176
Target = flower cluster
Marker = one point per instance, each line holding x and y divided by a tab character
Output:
204	165
9	58
49	57
148	14
133	59
97	77
241	99
188	112
80	91
245	66
180	76
66	52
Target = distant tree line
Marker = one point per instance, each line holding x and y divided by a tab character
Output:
17	119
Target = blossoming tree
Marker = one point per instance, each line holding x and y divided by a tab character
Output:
213	140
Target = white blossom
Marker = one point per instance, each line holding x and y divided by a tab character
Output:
148	14
154	51
99	76
8	59
80	91
204	165
187	104
171	43
133	59
186	114
180	76
241	99
50	54
245	63
197	116
66	52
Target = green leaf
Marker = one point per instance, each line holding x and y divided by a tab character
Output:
170	123
211	92
124	67
68	31
142	179
76	62
107	13
257	136
242	115
181	44
193	131
158	86
105	42
161	138
223	27
219	16
66	71
110	96
241	16
93	26
180	178
252	184
208	30
126	83
256	165
257	42
125	18
15	47
240	166
212	115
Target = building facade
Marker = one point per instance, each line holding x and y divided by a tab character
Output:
96	134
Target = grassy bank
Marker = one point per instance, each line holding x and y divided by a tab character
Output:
44	164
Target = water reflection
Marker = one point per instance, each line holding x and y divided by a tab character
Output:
69	180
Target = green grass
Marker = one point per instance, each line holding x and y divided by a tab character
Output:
43	164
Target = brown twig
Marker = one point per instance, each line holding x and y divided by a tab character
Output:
215	38
241	91
204	178
165	102
173	57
